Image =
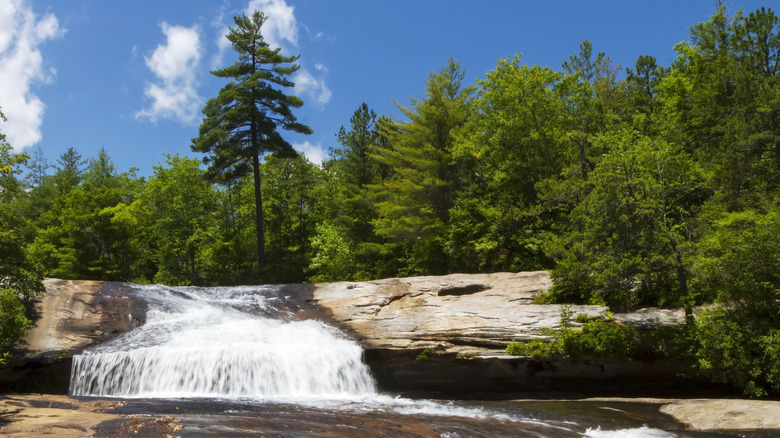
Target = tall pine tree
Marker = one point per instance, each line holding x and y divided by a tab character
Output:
242	123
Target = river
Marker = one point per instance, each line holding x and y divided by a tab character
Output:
239	361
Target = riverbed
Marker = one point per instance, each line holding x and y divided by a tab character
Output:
384	416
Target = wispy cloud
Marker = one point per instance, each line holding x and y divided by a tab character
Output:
221	41
309	86
314	152
280	24
174	64
21	65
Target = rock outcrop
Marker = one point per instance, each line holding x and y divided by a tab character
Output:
458	313
457	325
448	334
71	316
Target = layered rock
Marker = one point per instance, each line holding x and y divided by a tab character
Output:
459	313
71	316
448	334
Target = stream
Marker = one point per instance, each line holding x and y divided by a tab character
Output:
239	361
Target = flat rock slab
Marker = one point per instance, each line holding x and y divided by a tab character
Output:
726	414
29	415
453	312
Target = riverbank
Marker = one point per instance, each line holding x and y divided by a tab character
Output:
23	415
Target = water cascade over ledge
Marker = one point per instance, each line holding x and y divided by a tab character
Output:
222	342
239	354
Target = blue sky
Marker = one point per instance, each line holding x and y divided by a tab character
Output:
132	76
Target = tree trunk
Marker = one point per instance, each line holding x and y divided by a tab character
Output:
682	279
259	216
583	158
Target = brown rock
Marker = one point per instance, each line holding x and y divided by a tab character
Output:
72	315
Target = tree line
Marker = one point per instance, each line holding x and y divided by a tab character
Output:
649	185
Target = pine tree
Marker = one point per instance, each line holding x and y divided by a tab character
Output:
414	203
242	123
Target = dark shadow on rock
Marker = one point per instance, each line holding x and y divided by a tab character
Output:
462	290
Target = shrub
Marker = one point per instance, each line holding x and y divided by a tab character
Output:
594	337
13	324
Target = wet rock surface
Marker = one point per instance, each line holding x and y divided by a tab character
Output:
726	414
36	415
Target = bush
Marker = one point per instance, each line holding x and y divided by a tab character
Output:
13	324
594	337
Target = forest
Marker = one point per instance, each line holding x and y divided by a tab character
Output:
642	186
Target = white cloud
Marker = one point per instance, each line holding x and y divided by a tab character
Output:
280	24
175	96
307	85
315	153
223	44
21	65
279	28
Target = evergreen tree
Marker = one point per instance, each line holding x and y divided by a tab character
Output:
632	232
354	158
70	170
82	238
414	203
291	215
589	101
242	123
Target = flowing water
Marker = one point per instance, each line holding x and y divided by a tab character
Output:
231	360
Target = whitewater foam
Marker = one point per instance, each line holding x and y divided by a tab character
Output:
198	343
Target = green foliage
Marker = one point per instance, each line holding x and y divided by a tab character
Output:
739	260
593	338
18	272
242	123
425	354
736	347
513	141
13	324
174	216
20	277
333	260
81	239
629	234
413	205
290	216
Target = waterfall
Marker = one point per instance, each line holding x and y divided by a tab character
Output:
222	342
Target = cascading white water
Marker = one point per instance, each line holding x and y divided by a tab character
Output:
222	342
